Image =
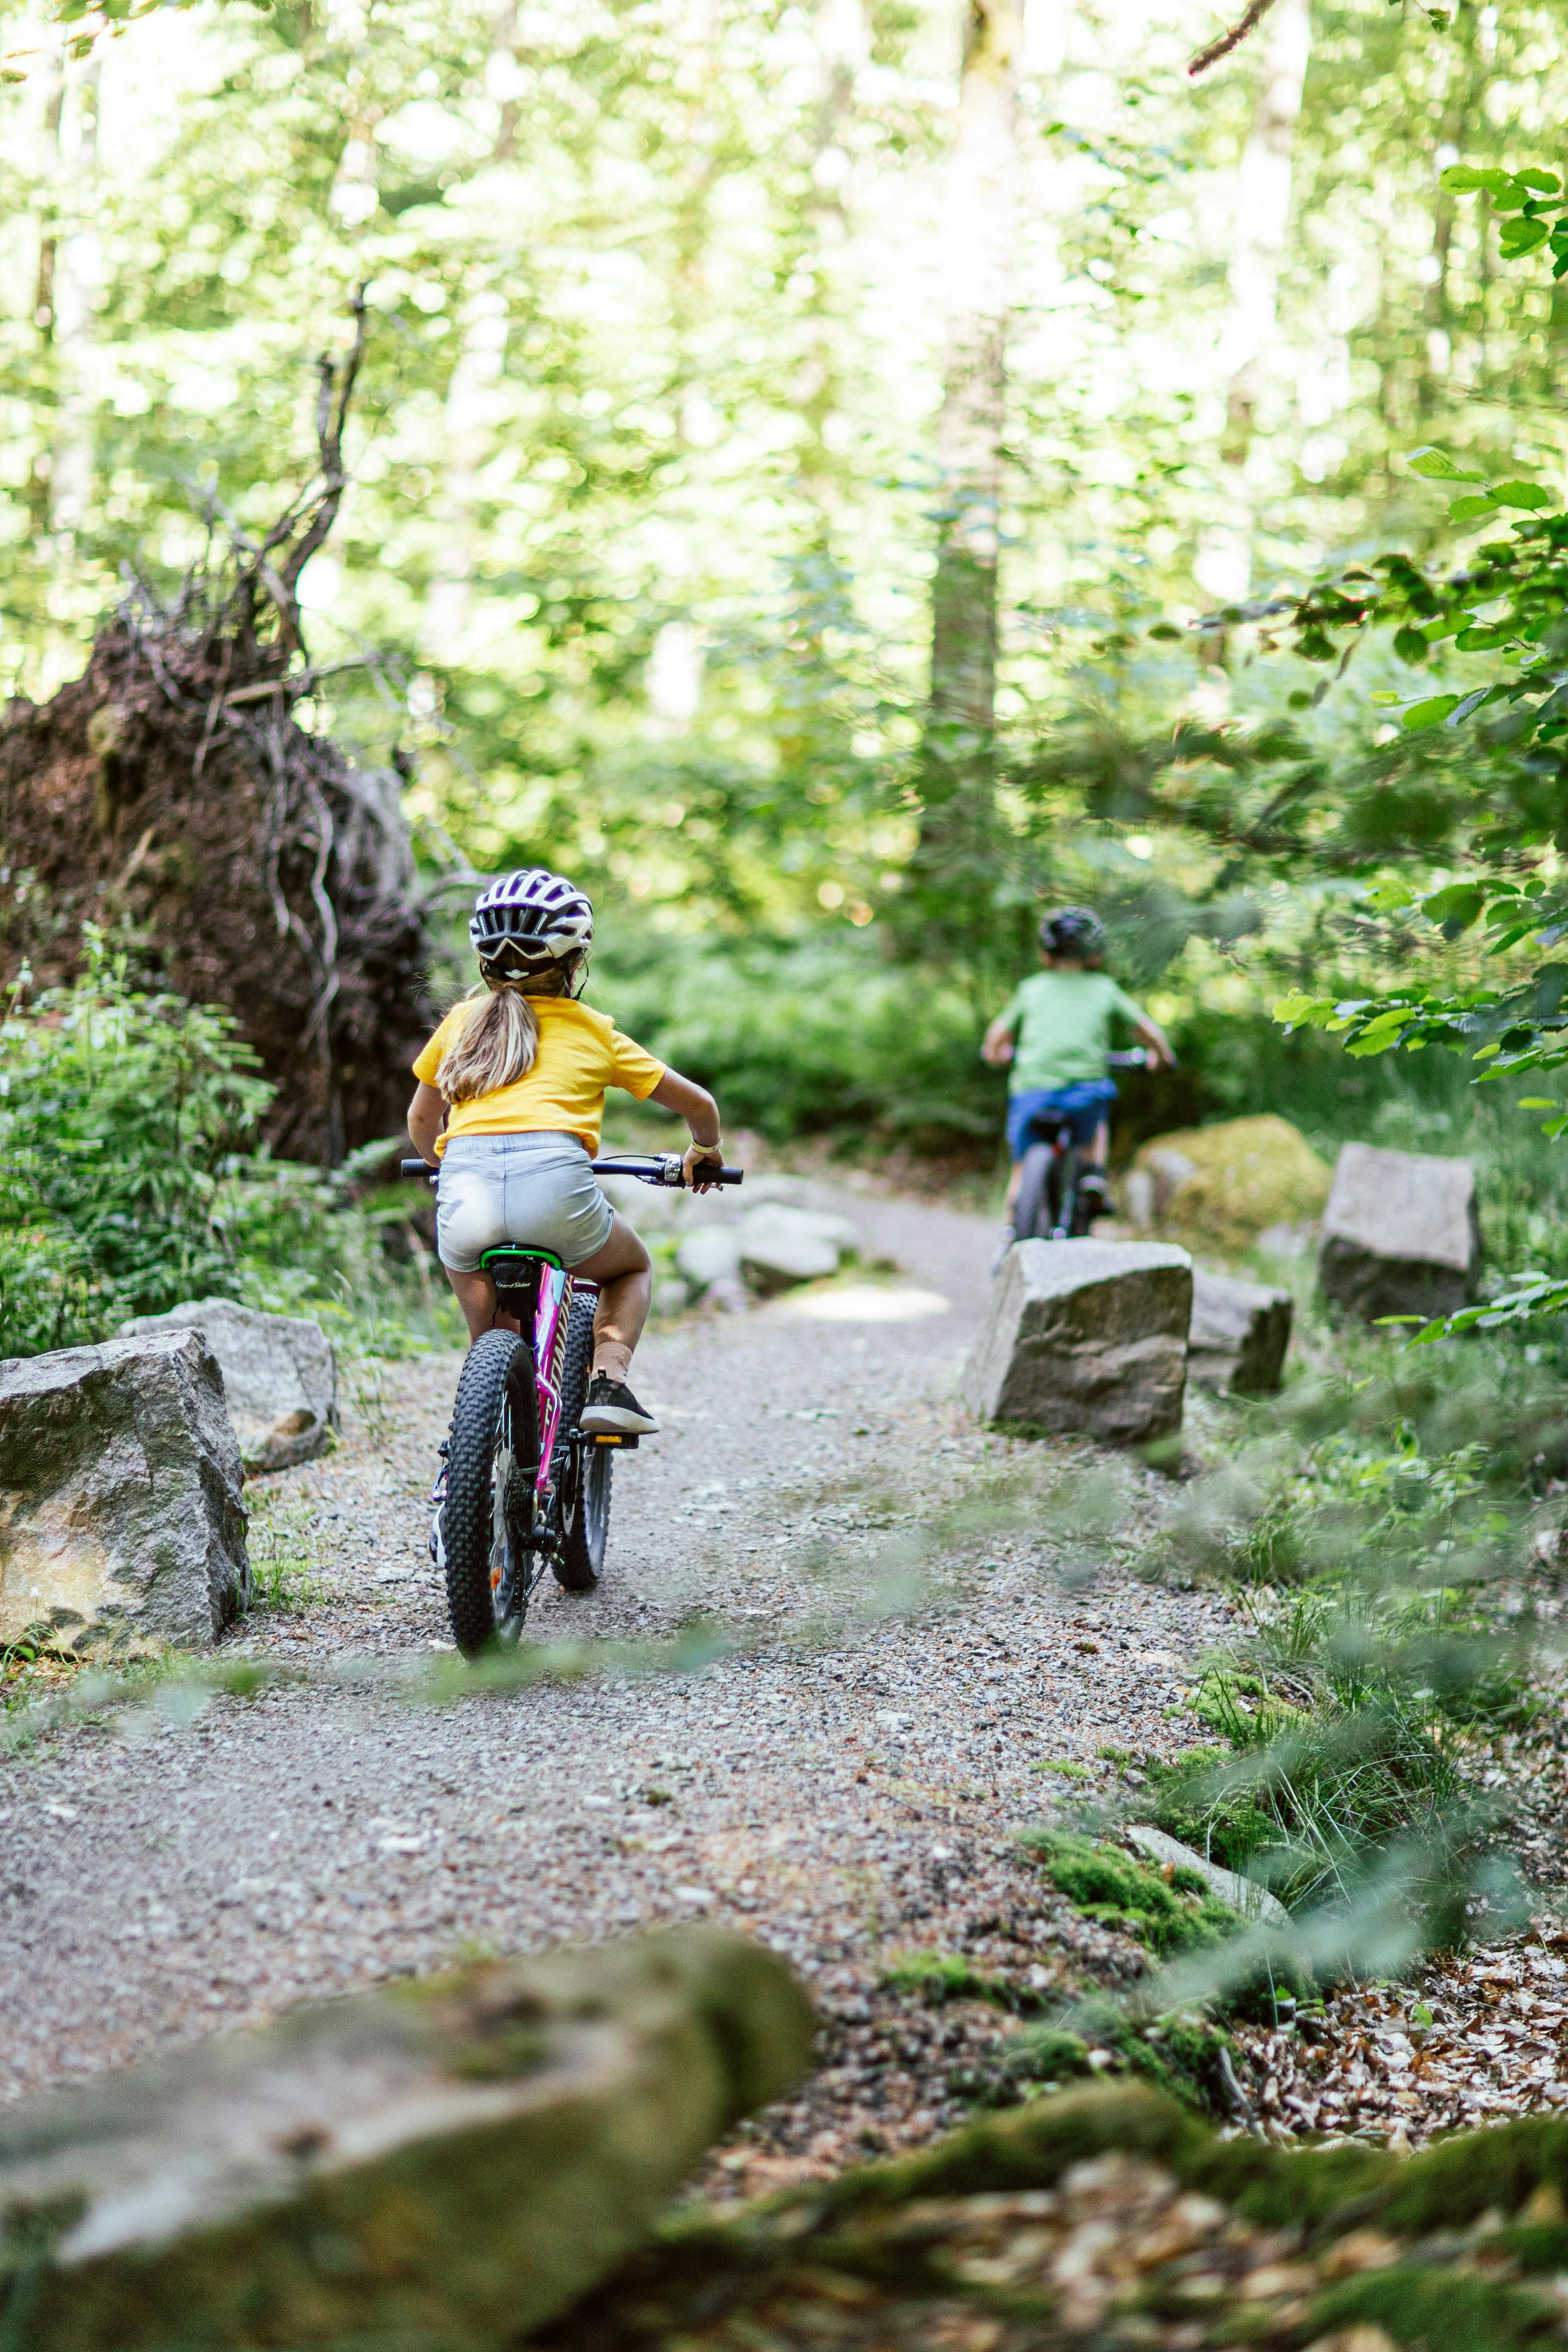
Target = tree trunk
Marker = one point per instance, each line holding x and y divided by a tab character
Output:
1224	565
470	413
953	864
979	233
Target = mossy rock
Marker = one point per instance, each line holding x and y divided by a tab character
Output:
1246	1175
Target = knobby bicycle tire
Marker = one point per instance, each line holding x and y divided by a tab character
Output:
1066	1219
581	1473
1031	1217
496	1379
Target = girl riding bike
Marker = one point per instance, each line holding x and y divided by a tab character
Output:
510	1103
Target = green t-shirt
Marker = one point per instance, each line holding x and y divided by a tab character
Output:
1062	1023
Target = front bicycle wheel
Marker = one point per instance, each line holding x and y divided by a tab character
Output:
582	1472
491	1464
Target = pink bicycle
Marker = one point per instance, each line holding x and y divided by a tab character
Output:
526	1488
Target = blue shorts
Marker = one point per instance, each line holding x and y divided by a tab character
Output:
1082	1106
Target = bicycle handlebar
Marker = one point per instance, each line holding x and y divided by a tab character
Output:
664	1168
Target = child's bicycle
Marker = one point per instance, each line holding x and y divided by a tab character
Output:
1051	1206
524	1486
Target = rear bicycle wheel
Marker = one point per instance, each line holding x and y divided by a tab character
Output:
581	1473
1066	1222
1031	1210
491	1461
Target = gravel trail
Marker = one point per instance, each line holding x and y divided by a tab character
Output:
848	1788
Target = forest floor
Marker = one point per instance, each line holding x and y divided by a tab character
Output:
919	1648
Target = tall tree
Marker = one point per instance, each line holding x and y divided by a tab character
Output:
980	225
1257	250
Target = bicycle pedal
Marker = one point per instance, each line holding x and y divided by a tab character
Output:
613	1437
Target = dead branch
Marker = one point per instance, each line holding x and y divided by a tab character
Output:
1233	39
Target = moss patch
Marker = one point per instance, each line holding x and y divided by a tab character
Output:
1168	1915
1439	2307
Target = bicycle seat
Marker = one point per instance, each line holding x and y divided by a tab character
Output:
515	1258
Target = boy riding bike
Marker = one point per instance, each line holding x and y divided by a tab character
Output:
510	1103
1056	1031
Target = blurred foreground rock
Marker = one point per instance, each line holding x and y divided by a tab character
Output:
1113	2219
1086	1335
1240	1331
279	1377
1219	1187
435	2168
1400	1234
120	1487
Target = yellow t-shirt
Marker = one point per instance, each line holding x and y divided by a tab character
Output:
581	1052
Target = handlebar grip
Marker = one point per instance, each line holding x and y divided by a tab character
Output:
414	1168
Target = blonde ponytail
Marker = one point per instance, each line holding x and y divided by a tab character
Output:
493	1049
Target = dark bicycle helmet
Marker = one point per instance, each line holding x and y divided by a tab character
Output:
527	921
1072	931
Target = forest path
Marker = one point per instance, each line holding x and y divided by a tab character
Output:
848	1787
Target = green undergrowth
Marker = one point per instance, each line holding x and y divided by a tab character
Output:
1377	1524
132	1177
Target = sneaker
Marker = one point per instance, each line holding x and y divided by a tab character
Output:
1093	1193
611	1411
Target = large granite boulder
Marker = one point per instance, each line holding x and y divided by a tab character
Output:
120	1487
1401	1235
1240	1333
1086	1335
279	1376
445	2164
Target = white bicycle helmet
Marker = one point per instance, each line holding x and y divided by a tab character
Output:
527	921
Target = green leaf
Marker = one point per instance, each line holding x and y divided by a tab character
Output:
1471	509
1464	179
1411	645
1482	639
1520	494
1430	713
1519	237
1295	1012
1537	1102
1459	905
1435	465
1382	695
1534	176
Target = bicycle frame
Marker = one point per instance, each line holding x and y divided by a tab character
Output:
540	1295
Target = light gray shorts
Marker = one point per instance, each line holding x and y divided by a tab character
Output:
533	1189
